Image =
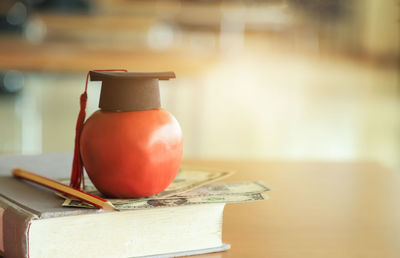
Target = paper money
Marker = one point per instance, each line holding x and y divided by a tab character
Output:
226	189
173	202
187	179
211	193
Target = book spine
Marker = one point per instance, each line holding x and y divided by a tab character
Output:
16	222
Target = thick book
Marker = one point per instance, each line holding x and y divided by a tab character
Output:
34	224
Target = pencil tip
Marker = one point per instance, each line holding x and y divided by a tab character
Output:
109	207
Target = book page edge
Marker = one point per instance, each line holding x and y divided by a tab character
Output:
221	248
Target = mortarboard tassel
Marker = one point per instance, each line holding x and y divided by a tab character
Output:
77	178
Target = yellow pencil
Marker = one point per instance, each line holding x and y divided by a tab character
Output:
84	196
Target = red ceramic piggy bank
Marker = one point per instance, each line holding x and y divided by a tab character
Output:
131	147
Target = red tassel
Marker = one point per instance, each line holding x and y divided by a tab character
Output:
77	178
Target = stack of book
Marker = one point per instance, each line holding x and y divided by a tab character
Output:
185	219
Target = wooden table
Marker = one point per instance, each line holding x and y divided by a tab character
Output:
315	210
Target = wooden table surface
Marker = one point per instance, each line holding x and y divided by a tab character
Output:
315	210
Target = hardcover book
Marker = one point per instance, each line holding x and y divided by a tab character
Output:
33	222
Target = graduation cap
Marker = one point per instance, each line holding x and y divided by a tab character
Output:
127	91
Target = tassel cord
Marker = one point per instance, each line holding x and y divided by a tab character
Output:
77	175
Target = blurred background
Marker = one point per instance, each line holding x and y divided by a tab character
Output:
261	80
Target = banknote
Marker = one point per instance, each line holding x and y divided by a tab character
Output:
225	189
187	179
210	193
173	202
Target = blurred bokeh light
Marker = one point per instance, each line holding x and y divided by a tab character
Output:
289	80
